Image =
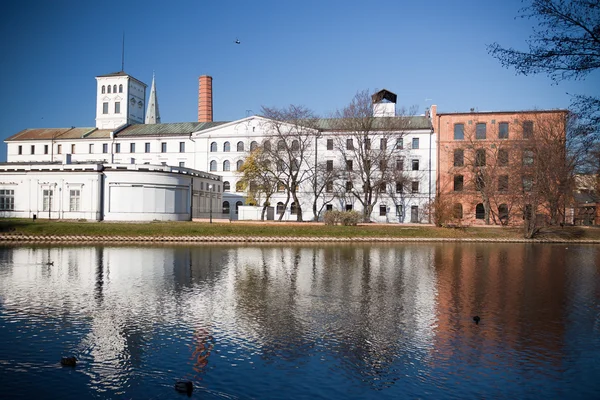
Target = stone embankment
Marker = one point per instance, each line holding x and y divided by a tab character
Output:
264	239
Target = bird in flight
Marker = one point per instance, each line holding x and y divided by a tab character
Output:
237	41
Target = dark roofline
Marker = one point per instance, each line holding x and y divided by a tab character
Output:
121	73
504	112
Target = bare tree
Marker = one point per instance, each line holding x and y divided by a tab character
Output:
368	146
258	178
292	131
322	186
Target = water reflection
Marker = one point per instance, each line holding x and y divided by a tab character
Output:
310	321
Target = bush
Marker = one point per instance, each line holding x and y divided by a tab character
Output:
351	218
331	217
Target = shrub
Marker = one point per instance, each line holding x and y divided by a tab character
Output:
351	218
331	217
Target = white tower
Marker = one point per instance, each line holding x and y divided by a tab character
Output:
152	115
120	100
384	103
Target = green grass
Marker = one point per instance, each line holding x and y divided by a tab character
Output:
273	229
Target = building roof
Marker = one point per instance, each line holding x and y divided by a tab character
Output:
504	112
170	129
403	123
51	133
120	73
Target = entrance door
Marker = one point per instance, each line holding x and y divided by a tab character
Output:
414	214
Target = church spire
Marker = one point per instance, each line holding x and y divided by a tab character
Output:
152	115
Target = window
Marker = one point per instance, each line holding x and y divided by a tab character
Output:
238	165
480	131
47	200
329	165
182	147
383	143
367	144
74	199
527	157
479	211
73	148
117	148
7	199
120	88
46	149
213	147
527	183
329	187
458	183
20	150
182	164
226	207
117	107
103	89
382	210
480	158
267	145
163	147
399	164
239	187
349	144
240	146
415	186
479	182
399	212
459	157
59	149
295	145
502	158
226	186
348	207
503	183
399	187
114	88
32	149
457	211
399	143
415	165
280	187
503	213
105	147
146	147
415	143
348	165
132	147
253	145
295	164
348	186
329	144
237	206
329	207
459	131
213	165
503	130
382	165
280	208
91	148
226	146
226	166
105	107
293	208
382	187
280	145
109	88
527	129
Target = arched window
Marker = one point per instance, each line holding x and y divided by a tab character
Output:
239	187
213	147
108	88
503	214
293	208
479	211
280	208
237	206
295	164
253	145
226	186
239	164
114	88
213	165
225	207
120	88
457	211
240	146
267	145
103	89
295	145
226	146
226	165
281	145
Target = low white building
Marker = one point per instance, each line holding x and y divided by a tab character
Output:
107	192
220	148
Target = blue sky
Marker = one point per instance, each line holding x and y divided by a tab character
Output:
312	53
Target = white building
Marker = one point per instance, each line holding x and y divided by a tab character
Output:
220	149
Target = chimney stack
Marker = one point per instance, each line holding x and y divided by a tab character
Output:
205	101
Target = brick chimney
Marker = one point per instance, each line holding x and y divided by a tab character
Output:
205	100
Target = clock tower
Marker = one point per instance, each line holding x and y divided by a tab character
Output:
120	100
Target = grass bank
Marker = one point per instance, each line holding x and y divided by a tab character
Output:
276	229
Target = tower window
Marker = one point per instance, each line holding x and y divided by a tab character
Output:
108	88
120	88
103	89
114	88
105	107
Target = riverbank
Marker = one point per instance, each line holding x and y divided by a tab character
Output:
20	230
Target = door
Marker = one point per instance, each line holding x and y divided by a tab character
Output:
414	214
